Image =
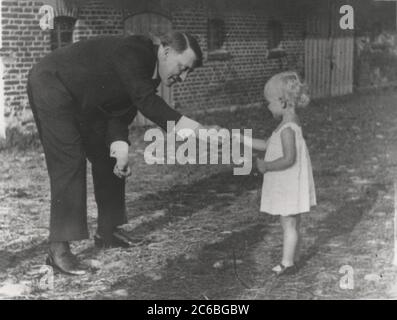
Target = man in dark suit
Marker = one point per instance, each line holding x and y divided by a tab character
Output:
83	98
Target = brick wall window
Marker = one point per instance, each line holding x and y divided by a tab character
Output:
216	34
62	34
216	37
276	34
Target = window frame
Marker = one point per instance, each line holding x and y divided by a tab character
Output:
62	25
276	37
216	39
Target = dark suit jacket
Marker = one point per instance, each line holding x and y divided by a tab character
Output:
113	76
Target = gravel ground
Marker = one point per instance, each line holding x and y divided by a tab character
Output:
200	234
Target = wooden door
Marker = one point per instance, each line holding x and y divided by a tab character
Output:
318	57
342	66
151	25
329	53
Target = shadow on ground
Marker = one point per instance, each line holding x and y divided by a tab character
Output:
344	219
214	192
184	278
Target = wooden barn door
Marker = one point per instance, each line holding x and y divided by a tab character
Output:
318	57
328	53
342	66
152	25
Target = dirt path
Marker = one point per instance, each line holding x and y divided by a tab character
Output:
198	229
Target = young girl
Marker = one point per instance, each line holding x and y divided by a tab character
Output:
288	186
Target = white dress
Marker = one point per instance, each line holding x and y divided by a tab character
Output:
289	191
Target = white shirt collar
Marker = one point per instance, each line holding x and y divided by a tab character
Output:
155	73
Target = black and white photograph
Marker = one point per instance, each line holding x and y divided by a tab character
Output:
198	150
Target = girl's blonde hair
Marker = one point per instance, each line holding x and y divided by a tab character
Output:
288	87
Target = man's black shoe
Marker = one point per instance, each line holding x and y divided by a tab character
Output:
66	263
119	239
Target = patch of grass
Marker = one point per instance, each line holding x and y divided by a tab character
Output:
18	140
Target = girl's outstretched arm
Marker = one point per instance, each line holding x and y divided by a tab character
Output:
289	154
256	144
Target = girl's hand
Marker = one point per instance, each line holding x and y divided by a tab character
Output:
261	165
267	143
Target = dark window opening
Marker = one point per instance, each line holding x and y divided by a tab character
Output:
62	34
216	34
276	34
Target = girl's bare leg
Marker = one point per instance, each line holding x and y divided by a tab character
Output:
299	242
290	239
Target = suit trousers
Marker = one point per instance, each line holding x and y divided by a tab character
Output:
69	138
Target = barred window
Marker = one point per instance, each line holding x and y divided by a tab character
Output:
62	34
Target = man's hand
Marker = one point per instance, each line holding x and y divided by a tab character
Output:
119	150
220	138
122	168
261	165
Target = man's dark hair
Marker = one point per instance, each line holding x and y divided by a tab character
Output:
180	41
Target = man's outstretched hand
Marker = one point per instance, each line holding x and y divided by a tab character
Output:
220	138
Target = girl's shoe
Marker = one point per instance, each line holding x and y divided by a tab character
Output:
282	270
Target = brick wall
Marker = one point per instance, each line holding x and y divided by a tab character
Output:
238	80
24	43
97	19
